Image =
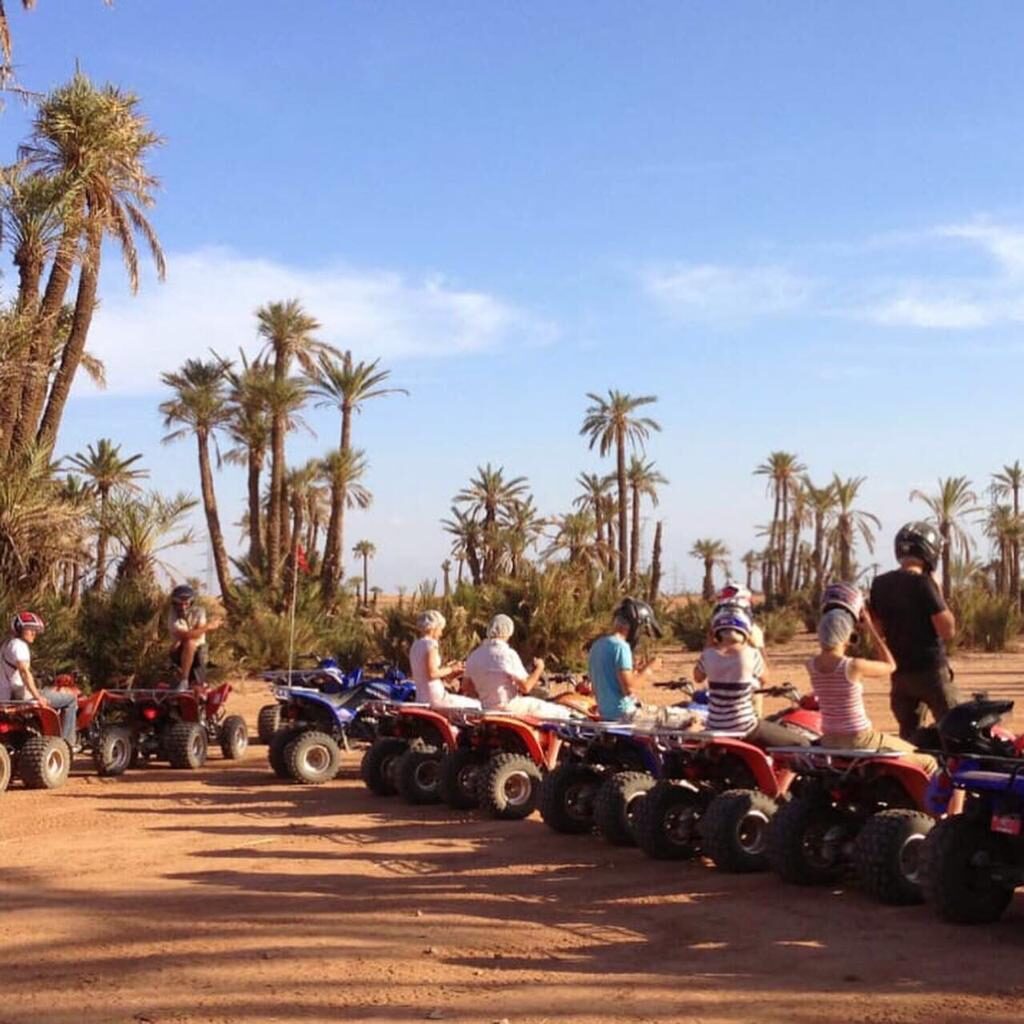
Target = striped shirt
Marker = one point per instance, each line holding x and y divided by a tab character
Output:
841	699
732	679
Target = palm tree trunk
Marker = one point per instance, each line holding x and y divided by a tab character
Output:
328	568
102	534
783	531
655	583
220	555
793	553
634	540
255	467
274	506
30	271
946	577
708	589
74	347
1016	588
366	581
620	455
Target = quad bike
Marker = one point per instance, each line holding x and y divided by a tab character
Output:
605	769
315	725
176	726
973	862
31	746
717	792
864	809
104	730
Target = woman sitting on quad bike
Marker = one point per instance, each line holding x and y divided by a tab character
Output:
497	674
428	673
838	680
734	670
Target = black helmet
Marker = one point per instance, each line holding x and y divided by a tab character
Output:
967	728
639	618
920	540
182	593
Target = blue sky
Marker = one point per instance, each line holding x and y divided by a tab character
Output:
800	225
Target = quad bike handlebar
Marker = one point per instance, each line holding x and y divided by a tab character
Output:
686	685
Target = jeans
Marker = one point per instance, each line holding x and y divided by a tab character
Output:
915	693
67	704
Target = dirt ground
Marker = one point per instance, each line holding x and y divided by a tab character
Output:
226	896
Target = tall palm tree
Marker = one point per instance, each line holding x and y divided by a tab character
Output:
712	553
344	472
821	502
288	333
97	142
467	532
952	502
1009	483
365	550
107	471
644	481
610	423
487	496
783	469
850	522
197	407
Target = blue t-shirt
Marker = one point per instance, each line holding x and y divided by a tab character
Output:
608	656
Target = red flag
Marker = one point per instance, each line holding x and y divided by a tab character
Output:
300	559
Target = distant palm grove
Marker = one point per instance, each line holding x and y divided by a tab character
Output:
84	540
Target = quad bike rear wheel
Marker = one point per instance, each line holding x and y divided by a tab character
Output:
567	798
807	841
275	751
666	821
887	855
959	862
268	721
418	774
234	737
44	762
457	785
616	805
5	768
734	830
509	786
112	754
186	745
312	758
379	763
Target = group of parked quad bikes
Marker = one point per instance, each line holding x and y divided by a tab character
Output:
120	729
812	815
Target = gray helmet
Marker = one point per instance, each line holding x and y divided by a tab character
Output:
182	593
638	616
920	540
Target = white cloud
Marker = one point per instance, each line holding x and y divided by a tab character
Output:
210	297
713	292
936	311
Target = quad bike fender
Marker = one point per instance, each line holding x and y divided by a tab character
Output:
757	762
427	721
217	698
88	707
537	744
914	780
16	716
323	705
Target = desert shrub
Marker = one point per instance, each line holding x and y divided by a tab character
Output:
121	636
690	621
780	625
986	621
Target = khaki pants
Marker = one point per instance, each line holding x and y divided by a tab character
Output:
871	740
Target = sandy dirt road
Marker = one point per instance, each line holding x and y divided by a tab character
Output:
226	896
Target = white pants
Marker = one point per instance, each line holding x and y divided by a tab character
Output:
456	700
538	708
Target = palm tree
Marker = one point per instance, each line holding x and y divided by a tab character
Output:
300	482
521	526
751	560
141	526
644	481
712	553
289	334
95	141
1004	528
488	495
1009	483
593	498
574	534
81	498
610	423
197	407
107	471
783	470
446	569
952	502
343	471
821	502
365	550
468	534
849	522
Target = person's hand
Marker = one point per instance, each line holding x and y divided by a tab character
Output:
538	664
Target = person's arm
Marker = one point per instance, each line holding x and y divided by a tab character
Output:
630	679
435	670
943	620
527	683
700	674
867	668
25	670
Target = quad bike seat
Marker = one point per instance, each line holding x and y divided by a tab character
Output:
992	781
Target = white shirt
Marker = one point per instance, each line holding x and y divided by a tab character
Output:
13	653
495	668
428	691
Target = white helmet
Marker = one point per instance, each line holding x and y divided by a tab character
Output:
845	596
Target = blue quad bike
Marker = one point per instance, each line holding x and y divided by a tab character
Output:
316	725
605	770
973	862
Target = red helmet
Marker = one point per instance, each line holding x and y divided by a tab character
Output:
27	620
845	596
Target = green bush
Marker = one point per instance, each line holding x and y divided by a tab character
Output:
780	625
690	621
985	621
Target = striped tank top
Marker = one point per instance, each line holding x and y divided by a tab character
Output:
840	698
732	680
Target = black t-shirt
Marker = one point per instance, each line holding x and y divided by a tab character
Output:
904	603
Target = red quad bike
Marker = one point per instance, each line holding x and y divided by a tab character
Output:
31	746
856	808
176	726
717	793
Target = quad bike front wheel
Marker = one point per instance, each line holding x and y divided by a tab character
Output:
509	786
887	855
275	751
312	758
458	781
961	858
617	803
807	841
44	762
567	798
112	754
378	765
666	821
268	721
418	774
234	737
734	830
5	768
186	745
